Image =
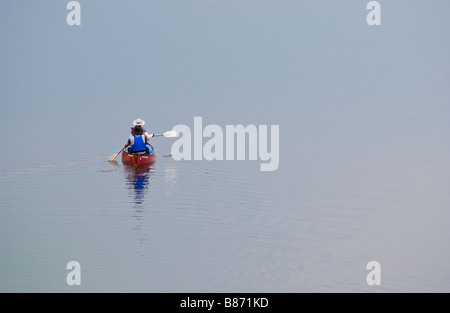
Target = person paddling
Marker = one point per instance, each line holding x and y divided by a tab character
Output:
138	140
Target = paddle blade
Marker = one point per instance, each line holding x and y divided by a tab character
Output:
170	133
113	158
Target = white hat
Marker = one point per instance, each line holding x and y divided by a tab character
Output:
138	122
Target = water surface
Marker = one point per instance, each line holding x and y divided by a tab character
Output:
364	147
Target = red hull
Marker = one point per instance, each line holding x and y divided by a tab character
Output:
137	160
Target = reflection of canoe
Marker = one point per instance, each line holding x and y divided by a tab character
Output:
141	169
138	160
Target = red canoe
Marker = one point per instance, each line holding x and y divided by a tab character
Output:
138	160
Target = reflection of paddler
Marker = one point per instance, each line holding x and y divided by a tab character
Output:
138	179
140	183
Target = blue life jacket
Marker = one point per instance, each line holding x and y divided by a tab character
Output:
139	144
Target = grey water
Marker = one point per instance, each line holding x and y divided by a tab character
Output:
364	149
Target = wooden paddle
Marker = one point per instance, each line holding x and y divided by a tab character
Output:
170	133
115	156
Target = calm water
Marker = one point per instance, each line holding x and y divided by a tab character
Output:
364	147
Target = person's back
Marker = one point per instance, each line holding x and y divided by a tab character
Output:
138	144
138	139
